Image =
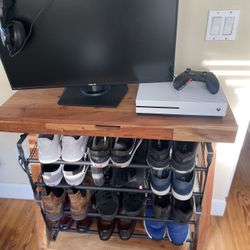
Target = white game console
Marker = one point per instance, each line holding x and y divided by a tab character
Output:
194	99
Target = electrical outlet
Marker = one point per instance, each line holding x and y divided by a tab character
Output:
222	25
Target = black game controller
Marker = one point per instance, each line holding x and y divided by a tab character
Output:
188	75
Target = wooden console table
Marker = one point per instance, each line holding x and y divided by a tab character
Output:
36	111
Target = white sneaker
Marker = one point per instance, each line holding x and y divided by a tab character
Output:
73	147
74	174
52	174
49	148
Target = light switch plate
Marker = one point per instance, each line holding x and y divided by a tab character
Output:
222	25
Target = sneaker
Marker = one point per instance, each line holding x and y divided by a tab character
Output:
158	158
83	225
159	153
52	201
177	233
99	151
160	182
66	222
52	174
49	148
132	205
161	206
155	230
73	147
183	185
123	150
79	203
74	174
184	156
98	176
107	204
105	228
182	210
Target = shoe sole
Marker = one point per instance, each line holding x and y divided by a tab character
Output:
79	217
99	165
160	193
181	196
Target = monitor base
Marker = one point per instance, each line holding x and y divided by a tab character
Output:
97	96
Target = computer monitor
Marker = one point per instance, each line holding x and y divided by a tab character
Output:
93	48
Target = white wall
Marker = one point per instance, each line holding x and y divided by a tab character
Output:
231	61
192	51
10	171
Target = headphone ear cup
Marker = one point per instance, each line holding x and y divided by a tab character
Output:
15	36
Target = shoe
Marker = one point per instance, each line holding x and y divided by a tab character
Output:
141	153
52	200
158	158
177	233
161	206
158	155
49	148
83	225
132	205
182	210
160	184
66	222
74	174
107	204
98	176
105	228
183	185
123	150
52	174
79	203
184	156
73	147
99	151
155	230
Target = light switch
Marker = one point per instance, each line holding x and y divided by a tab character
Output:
228	26
222	25
216	26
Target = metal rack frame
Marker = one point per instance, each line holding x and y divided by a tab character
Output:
25	162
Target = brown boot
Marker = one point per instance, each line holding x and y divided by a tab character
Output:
52	200
79	203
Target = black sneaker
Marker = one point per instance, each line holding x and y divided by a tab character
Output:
182	210
99	151
132	205
107	204
123	150
161	206
183	157
158	156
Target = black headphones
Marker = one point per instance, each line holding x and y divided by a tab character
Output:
13	34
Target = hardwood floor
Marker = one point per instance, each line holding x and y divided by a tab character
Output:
231	232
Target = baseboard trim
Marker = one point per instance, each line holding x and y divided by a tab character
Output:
16	191
218	207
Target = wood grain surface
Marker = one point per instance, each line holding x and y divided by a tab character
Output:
37	111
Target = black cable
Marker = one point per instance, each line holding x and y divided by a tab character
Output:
47	5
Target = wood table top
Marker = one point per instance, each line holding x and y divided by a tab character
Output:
37	111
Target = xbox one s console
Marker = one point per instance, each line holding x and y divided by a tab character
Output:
194	100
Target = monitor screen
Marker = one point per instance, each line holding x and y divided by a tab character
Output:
79	42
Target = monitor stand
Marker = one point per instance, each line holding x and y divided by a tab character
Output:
97	96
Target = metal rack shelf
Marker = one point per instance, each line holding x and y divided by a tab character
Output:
201	174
